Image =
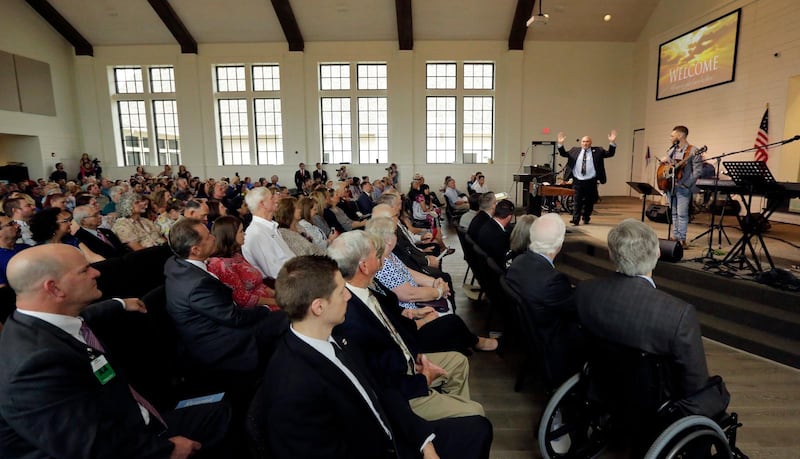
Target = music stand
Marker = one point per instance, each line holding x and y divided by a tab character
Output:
755	177
644	189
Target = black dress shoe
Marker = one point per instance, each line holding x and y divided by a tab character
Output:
576	222
586	221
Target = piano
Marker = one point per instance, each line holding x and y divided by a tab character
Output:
775	192
540	173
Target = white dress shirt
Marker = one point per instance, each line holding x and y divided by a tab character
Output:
264	247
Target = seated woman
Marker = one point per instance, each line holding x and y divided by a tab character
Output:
439	330
308	212
335	216
55	200
172	212
320	197
131	228
228	264
520	238
52	225
286	216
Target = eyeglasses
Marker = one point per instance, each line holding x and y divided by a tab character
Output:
66	220
9	224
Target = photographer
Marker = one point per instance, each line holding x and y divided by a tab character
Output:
342	174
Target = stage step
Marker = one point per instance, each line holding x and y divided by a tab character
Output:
743	314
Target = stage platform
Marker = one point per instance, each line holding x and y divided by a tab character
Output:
733	306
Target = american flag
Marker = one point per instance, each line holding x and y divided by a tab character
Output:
762	138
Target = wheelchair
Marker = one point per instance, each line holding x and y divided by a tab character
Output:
586	418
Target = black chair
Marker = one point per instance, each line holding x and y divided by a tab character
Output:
255	425
8	302
133	274
467	251
531	340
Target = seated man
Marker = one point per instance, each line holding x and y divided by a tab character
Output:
197	210
9	233
59	393
99	240
364	200
628	309
217	334
319	401
486	205
455	199
380	328
494	236
549	299
263	245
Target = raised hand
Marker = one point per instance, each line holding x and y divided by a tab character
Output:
561	137
612	138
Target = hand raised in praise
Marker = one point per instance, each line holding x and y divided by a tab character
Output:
612	137
561	137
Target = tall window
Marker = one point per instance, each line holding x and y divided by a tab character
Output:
144	103
248	100
342	107
460	111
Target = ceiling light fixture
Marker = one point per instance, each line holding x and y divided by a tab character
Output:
607	17
538	19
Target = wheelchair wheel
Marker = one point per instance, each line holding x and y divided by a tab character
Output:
690	437
567	428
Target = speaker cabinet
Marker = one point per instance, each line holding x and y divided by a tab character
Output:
671	251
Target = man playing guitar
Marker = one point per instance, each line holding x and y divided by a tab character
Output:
688	164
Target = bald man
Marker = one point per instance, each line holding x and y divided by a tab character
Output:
586	166
61	395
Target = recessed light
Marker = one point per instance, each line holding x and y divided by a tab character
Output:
607	17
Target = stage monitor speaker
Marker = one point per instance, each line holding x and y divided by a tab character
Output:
658	213
671	251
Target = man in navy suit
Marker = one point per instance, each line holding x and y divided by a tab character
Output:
586	165
318	399
486	204
549	300
494	236
300	176
61	395
217	334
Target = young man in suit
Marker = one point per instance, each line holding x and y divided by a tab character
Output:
586	165
549	299
99	240
61	395
494	236
628	309
300	176
318	399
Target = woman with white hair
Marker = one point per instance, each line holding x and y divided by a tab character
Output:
137	232
424	298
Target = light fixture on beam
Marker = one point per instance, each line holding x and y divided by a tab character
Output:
539	18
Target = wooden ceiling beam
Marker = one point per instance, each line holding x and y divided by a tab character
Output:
62	26
516	39
405	26
170	19
283	9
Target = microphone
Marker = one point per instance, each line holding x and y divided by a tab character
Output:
797	137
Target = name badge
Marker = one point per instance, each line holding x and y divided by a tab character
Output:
102	369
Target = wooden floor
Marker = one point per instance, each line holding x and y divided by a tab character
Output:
764	393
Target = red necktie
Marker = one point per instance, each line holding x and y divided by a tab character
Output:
94	343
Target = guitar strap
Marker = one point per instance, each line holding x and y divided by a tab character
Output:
685	152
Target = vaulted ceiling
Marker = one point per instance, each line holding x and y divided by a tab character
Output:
294	22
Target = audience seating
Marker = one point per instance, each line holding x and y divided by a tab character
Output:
133	274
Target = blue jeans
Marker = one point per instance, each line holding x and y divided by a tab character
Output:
680	212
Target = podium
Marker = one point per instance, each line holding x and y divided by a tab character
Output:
644	189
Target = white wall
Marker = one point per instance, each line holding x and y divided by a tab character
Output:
24	32
726	117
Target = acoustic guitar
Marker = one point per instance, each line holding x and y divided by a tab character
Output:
665	172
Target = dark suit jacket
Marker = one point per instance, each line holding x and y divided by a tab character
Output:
549	298
101	248
381	354
300	178
321	175
598	156
629	311
494	240
217	334
365	203
52	405
477	222
313	410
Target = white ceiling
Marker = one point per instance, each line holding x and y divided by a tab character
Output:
134	22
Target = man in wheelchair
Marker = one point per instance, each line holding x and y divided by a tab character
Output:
646	368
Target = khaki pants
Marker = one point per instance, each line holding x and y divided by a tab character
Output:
453	401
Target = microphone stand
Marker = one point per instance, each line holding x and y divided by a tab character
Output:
709	251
